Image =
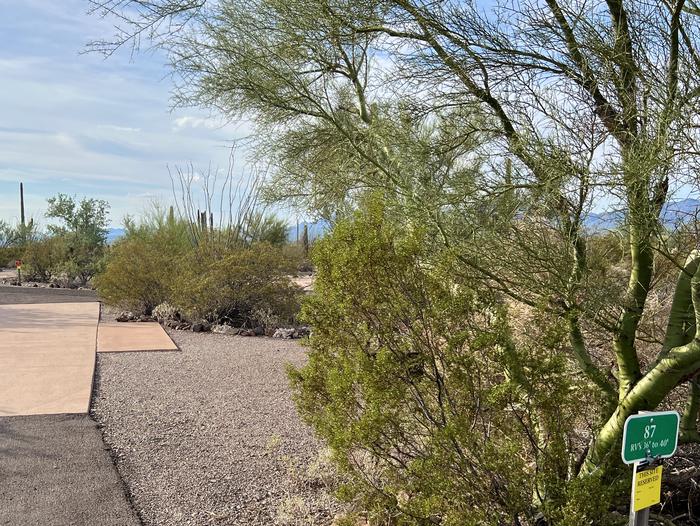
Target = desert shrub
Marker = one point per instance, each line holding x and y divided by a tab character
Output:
43	257
202	273
9	236
140	268
236	283
266	228
8	255
475	412
297	253
14	241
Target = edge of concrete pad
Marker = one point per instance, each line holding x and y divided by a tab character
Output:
173	346
88	323
141	351
93	385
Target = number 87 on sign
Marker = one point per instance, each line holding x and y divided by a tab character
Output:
649	436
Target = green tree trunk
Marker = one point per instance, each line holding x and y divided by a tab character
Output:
674	366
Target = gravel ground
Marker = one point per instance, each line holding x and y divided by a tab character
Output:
210	435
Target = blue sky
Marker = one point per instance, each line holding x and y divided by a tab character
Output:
79	124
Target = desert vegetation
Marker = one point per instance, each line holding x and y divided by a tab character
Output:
69	251
477	345
186	265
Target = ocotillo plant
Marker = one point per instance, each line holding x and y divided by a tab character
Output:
239	209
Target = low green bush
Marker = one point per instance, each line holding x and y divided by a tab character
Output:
43	257
8	255
204	274
246	285
417	383
140	268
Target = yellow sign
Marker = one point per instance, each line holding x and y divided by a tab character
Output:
647	488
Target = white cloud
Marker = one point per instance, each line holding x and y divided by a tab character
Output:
189	121
83	125
121	129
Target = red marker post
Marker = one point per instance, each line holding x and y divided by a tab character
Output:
18	266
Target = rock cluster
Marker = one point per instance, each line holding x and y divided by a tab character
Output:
291	333
169	316
222	328
126	316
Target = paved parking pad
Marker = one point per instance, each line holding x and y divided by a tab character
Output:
126	337
47	357
55	470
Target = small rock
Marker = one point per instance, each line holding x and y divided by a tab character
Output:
122	316
166	311
259	331
225	329
201	326
284	333
291	333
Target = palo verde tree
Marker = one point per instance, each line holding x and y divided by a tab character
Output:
82	229
498	125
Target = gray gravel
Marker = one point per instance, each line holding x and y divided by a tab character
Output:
210	435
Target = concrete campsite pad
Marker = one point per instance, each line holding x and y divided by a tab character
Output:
47	357
137	336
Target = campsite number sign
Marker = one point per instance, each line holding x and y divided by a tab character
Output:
649	436
646	438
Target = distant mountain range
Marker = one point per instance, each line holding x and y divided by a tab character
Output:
316	230
113	234
673	213
294	233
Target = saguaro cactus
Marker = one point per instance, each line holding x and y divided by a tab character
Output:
305	240
21	203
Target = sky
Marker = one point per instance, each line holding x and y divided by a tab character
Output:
88	126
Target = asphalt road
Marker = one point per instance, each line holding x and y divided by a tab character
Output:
12	295
55	469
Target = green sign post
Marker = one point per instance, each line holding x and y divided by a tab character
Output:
649	436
